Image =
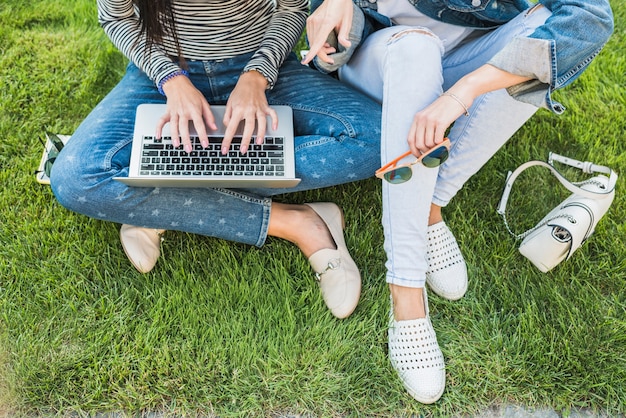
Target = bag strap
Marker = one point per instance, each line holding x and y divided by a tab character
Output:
585	167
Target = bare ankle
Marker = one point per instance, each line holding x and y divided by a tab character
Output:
408	302
300	225
435	214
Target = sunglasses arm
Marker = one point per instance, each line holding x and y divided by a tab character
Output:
393	163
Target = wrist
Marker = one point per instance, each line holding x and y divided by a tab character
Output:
161	84
458	100
255	77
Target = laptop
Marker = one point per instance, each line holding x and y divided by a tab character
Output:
157	163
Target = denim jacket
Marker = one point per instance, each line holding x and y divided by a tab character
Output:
554	55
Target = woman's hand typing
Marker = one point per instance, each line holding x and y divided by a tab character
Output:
248	103
185	103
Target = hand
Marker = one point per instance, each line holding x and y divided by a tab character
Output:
332	15
429	125
185	103
248	103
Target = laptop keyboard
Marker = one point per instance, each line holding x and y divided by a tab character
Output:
161	158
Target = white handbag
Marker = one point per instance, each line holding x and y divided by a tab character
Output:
566	227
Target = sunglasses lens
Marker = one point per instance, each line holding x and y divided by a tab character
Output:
48	166
56	142
436	157
399	175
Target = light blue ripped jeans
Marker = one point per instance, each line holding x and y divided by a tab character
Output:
337	141
406	69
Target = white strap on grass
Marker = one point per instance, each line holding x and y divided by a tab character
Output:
585	166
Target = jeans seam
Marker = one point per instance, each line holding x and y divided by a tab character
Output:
114	150
348	128
206	65
242	196
399	281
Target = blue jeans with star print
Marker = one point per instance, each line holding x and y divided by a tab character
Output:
337	141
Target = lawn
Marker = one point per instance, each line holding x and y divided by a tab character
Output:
224	329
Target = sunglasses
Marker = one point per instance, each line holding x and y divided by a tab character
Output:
396	174
52	152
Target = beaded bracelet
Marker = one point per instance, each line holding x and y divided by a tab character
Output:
169	77
447	93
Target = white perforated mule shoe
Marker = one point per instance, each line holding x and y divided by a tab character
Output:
142	246
447	272
336	272
415	354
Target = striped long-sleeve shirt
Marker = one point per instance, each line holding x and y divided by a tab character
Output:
208	30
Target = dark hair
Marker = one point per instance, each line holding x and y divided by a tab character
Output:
156	20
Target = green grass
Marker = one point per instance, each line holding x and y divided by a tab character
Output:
226	329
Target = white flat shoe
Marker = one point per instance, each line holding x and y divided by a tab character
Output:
447	272
336	272
141	245
415	354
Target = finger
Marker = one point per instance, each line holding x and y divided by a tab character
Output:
420	144
205	117
440	134
208	116
327	49
174	131
248	130
261	124
411	140
274	116
160	124
198	124
316	44
323	55
231	129
343	37
426	126
228	113
416	138
429	137
183	128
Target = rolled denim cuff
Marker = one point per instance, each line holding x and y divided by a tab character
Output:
528	57
343	54
533	58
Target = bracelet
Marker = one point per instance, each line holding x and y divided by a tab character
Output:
447	93
169	77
